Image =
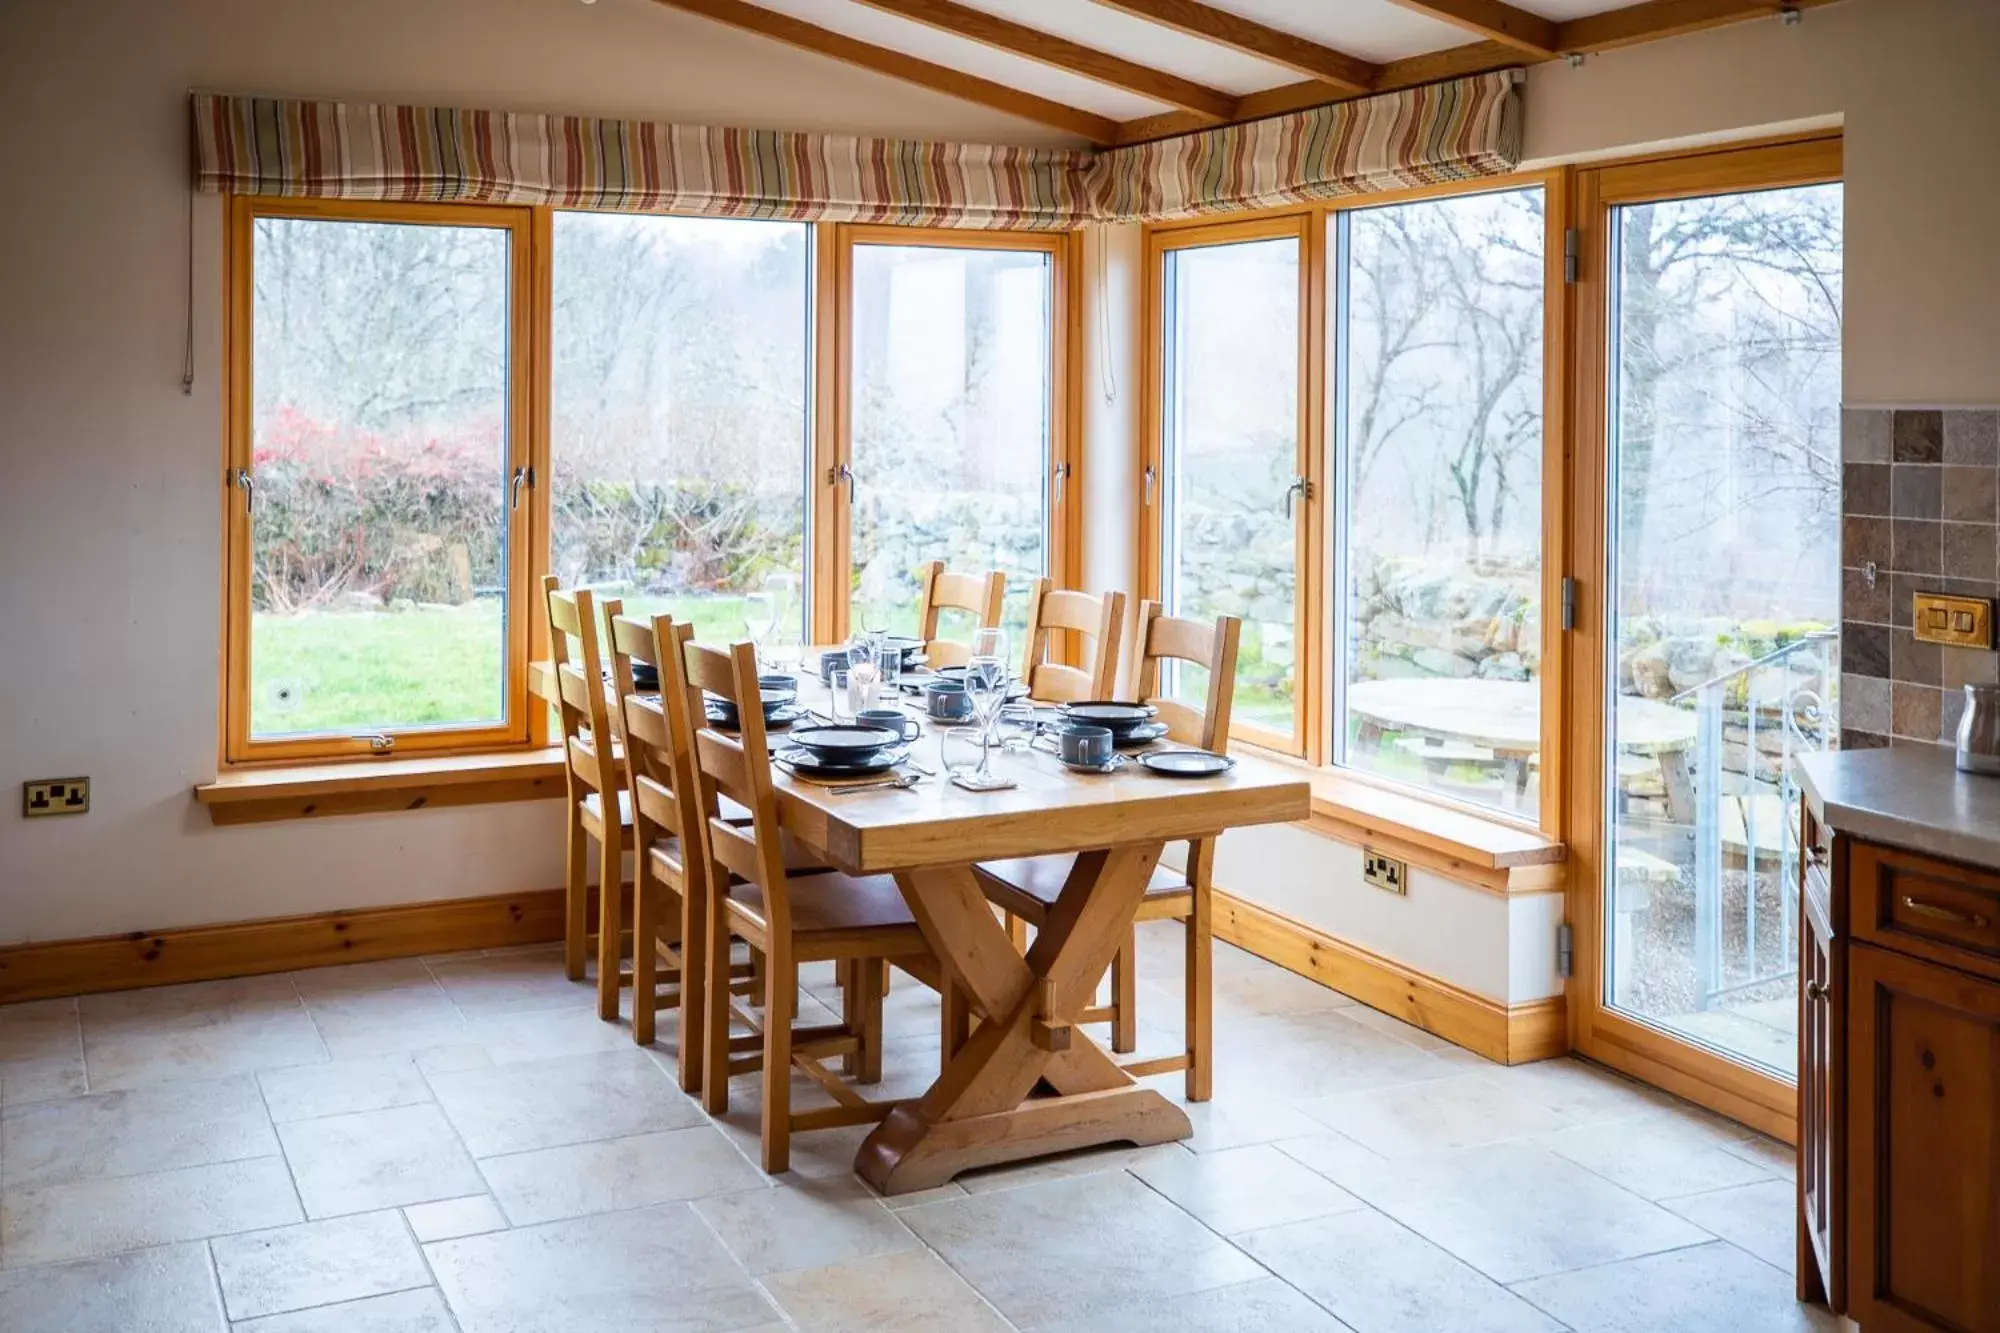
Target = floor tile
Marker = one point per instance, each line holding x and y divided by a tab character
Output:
377	1159
511	983
1516	1211
133	1133
1761	1218
898	1293
1259	993
343	1086
1704	1287
547	1103
94	1217
1232	1120
547	1034
613	1271
448	1219
1065	1249
1582	1091
1064	1166
203	1030
1334	1156
1780	1159
1263	1306
317	1263
1267	1057
600	1177
421	1311
1390	1026
41	1052
1658	1155
1379	1277
1436	1116
166	1290
384	1008
1244	1188
811	1224
821	1155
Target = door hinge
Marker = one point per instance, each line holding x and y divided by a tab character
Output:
1568	603
1565	950
1572	254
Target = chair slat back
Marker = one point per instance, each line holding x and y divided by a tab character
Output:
578	664
1165	638
1100	619
979	594
658	749
739	767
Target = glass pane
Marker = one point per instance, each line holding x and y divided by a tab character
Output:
1725	564
1440	424
1231	434
950	419
678	392
379	450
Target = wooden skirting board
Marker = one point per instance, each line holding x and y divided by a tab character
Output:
1507	1034
281	944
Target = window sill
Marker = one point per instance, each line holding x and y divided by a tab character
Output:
1490	854
309	791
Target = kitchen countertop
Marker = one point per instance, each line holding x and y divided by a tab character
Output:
1907	796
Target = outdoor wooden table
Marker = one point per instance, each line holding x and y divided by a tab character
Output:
1505	716
1028	1081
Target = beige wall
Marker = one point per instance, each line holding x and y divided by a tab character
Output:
109	492
109	477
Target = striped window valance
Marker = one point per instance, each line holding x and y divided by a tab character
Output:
280	146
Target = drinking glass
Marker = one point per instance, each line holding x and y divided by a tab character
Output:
759	615
863	675
986	685
888	663
782	589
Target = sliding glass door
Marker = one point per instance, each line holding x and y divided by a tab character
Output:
1716	512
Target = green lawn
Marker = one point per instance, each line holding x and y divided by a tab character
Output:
360	671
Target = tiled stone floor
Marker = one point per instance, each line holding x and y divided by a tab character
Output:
459	1143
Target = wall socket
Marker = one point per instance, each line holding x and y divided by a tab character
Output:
55	796
1385	872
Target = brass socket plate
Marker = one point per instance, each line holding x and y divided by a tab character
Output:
1959	622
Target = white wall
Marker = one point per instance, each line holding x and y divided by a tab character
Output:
110	477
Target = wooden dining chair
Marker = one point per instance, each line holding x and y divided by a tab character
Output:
979	594
598	810
1027	889
1100	619
860	923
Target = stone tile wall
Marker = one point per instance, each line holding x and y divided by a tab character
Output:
1921	513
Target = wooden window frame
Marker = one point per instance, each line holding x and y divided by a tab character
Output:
833	421
1313	741
523	442
1627	1043
531	304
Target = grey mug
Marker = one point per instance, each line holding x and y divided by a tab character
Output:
1085	745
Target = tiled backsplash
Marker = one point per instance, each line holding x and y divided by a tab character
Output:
1921	507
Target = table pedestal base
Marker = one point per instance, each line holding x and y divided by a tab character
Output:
1027	1082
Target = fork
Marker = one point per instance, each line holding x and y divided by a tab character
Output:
902	782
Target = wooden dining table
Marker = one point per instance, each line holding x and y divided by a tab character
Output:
1028	1081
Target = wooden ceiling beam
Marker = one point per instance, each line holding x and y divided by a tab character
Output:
1655	19
1060	53
880	60
1495	20
1323	64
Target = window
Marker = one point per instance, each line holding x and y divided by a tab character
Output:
378	382
1438	375
1231	414
952	404
679	428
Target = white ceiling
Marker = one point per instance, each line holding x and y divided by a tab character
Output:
1374	30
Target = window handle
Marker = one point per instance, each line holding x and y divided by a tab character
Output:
838	473
240	478
1062	480
1151	474
1300	489
522	476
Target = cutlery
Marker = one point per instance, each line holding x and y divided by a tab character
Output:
902	783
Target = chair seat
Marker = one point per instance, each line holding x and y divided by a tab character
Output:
1029	887
593	808
831	909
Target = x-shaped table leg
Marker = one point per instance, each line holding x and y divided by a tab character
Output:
982	1109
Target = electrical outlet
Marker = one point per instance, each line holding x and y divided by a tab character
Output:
55	796
1385	872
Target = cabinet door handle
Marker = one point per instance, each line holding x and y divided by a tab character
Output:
1936	913
1818	991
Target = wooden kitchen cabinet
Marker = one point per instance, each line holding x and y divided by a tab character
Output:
1899	1087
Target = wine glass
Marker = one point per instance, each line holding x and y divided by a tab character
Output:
986	686
759	616
780	589
863	674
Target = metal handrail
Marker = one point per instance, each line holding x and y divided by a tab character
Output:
1774	656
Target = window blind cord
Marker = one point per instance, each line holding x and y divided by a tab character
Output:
187	345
